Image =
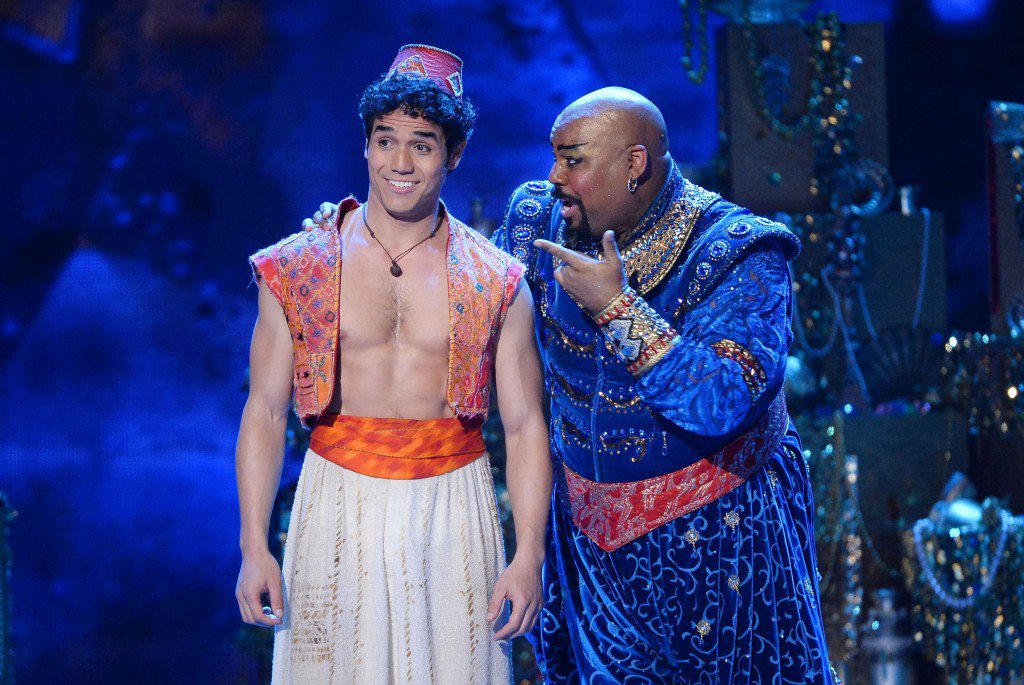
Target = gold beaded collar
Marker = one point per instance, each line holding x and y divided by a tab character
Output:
650	254
653	246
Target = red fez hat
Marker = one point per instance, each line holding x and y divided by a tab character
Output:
440	66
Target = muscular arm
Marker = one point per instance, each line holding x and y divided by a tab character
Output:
528	464
259	454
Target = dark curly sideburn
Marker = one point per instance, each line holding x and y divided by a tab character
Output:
418	97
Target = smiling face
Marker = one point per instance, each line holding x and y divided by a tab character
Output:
591	165
408	163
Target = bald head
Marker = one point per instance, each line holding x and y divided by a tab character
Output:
611	160
625	112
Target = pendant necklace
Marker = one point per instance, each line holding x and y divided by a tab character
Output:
396	270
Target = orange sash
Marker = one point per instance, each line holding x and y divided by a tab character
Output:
399	449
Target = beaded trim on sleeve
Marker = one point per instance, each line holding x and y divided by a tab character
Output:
750	367
637	333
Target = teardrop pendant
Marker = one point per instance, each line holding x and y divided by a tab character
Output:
396	270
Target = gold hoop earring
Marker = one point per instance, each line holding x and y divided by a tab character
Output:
631	184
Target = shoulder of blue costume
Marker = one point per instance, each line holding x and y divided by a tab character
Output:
490	253
527	218
723	236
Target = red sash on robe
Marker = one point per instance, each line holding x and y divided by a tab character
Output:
613	514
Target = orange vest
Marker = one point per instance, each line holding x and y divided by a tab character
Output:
303	271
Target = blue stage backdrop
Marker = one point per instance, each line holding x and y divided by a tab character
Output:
148	146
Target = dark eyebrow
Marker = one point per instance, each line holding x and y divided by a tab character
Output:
574	146
429	135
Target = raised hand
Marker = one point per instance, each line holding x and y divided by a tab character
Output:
322	218
591	282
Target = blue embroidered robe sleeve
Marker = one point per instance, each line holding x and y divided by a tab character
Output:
731	350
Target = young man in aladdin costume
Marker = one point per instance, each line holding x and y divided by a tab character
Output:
681	547
385	325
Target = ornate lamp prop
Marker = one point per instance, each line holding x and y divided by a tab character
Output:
964	567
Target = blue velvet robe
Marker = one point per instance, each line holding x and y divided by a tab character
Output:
729	592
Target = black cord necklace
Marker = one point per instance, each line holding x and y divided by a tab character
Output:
396	270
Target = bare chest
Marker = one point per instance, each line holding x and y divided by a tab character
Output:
376	308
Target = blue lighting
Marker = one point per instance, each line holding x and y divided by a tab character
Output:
960	11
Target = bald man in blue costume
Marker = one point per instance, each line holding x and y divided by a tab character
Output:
681	545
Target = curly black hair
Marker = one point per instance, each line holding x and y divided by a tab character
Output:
418	97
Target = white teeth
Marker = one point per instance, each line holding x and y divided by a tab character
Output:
401	184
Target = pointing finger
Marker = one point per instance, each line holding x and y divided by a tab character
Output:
566	255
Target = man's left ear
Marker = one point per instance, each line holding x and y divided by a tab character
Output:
456	156
638	158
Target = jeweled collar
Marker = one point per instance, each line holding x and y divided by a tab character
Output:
665	197
650	250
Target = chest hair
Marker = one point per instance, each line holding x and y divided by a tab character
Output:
396	307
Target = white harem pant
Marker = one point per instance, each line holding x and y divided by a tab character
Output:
388	581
